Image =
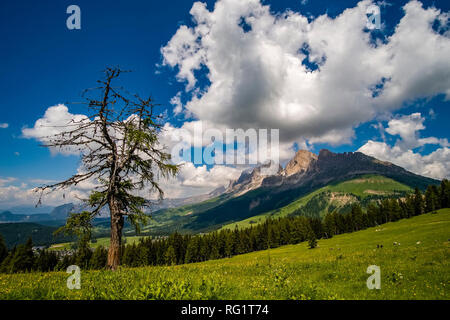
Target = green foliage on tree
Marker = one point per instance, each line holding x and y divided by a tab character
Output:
170	256
46	261
431	199
312	240
3	249
444	193
22	258
99	258
418	202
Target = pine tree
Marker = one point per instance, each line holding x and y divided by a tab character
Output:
357	217
229	244
46	261
83	254
312	241
409	203
192	250
418	202
3	249
431	199
329	225
396	210
372	213
99	258
65	262
5	267
128	257
170	256
444	194
23	259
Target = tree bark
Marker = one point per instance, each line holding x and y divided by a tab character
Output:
116	235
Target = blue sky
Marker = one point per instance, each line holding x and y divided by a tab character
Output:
45	64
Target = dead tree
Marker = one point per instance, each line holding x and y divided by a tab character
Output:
120	153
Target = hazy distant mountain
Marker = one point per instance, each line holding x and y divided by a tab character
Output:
8	216
55	214
61	212
28	210
178	202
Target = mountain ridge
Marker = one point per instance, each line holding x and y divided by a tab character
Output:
278	190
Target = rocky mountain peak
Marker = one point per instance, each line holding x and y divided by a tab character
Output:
300	163
325	153
250	179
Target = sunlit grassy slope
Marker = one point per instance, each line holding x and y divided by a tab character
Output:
334	194
417	268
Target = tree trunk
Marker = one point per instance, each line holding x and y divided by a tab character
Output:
116	235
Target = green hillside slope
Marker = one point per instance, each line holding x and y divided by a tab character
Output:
415	267
18	233
337	196
190	218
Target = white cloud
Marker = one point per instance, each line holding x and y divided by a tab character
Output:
190	181
22	195
435	165
5	181
4	125
56	119
176	101
217	176
257	79
13	193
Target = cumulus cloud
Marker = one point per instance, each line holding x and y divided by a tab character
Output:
56	119
176	101
201	177
196	180
13	195
203	134
260	76
190	181
13	192
315	79
435	165
5	181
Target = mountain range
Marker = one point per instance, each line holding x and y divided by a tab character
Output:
310	184
255	195
56	215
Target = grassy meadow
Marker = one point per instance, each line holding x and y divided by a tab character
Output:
416	268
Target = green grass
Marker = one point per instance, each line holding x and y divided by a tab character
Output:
361	187
418	268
